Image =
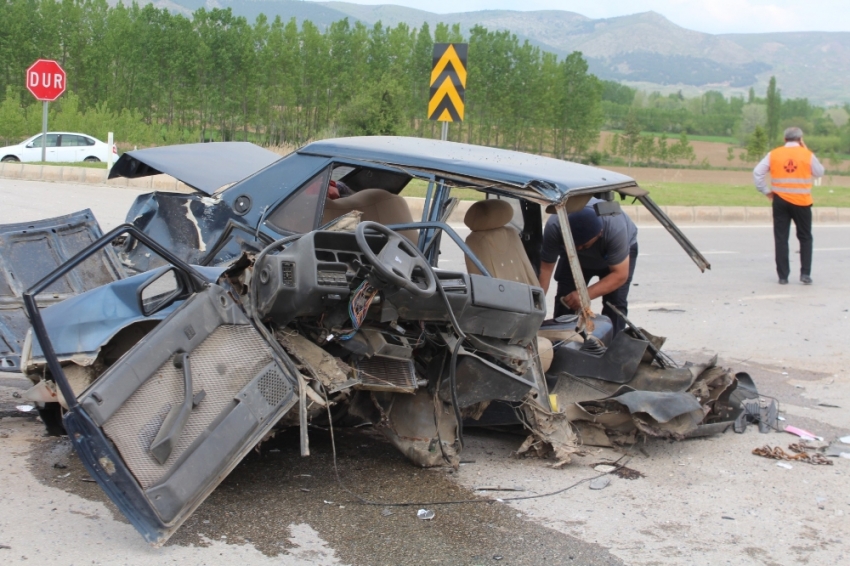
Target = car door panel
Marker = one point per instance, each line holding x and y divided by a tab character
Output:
245	392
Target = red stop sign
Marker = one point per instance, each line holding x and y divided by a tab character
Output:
46	79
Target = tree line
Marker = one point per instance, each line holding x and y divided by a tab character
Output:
156	77
755	122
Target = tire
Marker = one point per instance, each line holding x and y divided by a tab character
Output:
91	159
10	159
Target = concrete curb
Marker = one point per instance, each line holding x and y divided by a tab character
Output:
683	215
88	176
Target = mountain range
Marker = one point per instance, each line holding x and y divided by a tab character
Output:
643	50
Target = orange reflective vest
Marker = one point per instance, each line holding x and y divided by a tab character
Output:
791	174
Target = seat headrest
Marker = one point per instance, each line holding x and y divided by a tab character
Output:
488	215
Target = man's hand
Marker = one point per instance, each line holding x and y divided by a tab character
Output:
572	301
616	278
769	196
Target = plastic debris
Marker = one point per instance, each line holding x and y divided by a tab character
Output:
601	482
844	440
785	465
757	411
604	468
386	511
425	514
25	408
804	434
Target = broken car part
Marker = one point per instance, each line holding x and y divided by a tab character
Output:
356	327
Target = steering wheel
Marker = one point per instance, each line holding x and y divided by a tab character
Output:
397	260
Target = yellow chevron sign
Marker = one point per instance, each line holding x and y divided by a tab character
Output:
448	82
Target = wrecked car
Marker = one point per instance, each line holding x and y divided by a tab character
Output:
265	305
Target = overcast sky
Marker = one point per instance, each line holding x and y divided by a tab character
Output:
711	16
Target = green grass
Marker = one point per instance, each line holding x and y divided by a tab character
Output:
673	136
682	194
706	194
419	188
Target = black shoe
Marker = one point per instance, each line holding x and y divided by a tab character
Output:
783	281
806	279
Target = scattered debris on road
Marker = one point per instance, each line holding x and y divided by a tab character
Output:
760	411
425	514
627	473
801	453
804	434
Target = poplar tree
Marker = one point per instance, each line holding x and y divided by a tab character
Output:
774	108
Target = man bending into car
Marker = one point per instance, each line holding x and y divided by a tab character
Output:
607	248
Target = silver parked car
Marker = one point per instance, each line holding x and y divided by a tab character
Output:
64	147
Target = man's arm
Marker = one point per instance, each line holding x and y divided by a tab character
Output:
546	270
817	167
615	279
760	176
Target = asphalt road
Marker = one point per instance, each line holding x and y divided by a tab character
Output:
279	508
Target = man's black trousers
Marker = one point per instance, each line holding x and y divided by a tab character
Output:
783	213
619	297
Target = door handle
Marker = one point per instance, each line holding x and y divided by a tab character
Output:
175	421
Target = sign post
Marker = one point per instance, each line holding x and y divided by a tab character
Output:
448	84
46	81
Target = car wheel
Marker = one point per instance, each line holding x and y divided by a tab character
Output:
10	159
91	160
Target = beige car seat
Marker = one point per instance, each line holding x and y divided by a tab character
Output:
377	205
500	250
497	245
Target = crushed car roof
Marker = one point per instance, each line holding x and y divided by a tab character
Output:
203	166
207	167
552	178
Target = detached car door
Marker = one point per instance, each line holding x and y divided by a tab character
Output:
166	423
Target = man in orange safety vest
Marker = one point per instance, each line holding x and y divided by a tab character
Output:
792	169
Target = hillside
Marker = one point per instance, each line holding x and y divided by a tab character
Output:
645	50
